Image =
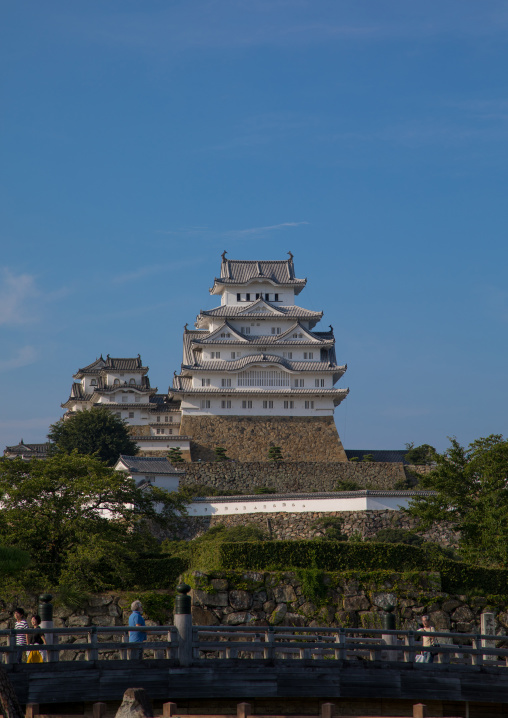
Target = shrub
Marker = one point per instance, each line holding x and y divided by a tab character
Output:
332	528
275	454
397	536
346	485
264	490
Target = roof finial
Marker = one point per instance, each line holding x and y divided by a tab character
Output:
290	255
21	441
331	328
185	327
223	255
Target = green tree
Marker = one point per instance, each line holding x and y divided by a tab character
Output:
472	495
220	454
81	522
12	560
275	454
421	455
175	456
94	431
394	535
331	527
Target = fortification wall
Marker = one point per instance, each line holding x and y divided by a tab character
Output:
248	438
294	476
294	526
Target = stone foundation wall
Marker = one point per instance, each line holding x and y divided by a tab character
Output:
264	598
248	438
289	526
295	476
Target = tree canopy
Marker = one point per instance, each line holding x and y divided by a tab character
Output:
94	431
81	522
472	495
420	455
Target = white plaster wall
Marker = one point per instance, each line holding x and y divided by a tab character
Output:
323	406
296	505
286	295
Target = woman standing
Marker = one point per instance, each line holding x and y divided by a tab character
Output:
427	641
37	639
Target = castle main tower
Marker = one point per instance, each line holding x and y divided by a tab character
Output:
255	374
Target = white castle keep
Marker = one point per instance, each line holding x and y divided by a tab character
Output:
254	374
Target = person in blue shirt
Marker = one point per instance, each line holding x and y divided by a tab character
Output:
136	620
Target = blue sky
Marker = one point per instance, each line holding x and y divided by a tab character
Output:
141	139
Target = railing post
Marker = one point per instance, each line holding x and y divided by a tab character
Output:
93	651
99	710
327	710
183	624
32	710
488	627
269	641
168	710
243	710
12	656
420	711
477	658
390	639
124	653
340	638
409	641
46	614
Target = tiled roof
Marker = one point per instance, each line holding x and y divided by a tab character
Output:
285	338
162	437
140	388
236	312
149	465
184	385
160	404
267	498
29	450
390	455
93	368
234	271
238	364
125	364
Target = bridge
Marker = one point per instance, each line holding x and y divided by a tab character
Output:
257	662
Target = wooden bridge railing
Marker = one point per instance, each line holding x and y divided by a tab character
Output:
260	642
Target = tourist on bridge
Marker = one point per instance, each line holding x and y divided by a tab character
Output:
427	641
136	620
21	638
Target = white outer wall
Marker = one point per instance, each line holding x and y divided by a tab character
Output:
295	505
169	442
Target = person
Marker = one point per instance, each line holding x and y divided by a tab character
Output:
37	638
21	638
136	620
427	641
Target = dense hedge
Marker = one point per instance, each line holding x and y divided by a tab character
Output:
339	556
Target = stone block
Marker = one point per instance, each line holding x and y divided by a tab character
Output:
78	621
236	618
219	584
370	619
258	599
202	598
450	605
284	593
278	614
114	610
293	619
253	576
240	600
106	621
441	620
100	600
308	608
346	619
356	603
462	614
269	606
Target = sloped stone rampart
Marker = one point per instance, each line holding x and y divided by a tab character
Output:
292	476
248	438
294	526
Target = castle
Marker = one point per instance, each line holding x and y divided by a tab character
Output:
254	374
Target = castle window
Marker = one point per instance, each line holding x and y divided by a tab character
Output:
166	418
276	297
320	382
245	330
268	405
299	382
205	382
258	295
267	297
308	355
287	355
225	404
159	430
260	377
132	381
309	404
276	330
238	297
205	403
116	382
214	355
226	382
247	297
247	404
158	418
289	405
170	431
131	415
94	382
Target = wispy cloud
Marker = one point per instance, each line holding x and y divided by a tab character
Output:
231	234
17	298
152	269
23	357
